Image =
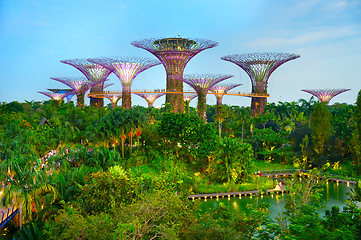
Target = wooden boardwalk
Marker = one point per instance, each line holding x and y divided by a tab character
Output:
268	174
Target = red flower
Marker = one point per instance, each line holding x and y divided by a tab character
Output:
124	137
130	134
138	133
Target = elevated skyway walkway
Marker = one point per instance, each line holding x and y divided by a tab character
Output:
241	94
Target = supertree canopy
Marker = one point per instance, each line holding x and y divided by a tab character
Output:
126	69
114	99
259	67
93	72
57	97
325	95
174	53
79	85
150	97
70	92
201	83
220	90
189	97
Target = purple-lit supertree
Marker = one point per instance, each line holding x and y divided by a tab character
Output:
187	98
79	85
325	95
70	92
114	99
93	72
201	83
220	90
259	67
174	53
56	97
126	69
150	97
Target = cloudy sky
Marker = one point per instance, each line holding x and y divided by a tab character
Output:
36	34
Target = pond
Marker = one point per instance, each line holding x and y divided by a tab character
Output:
334	194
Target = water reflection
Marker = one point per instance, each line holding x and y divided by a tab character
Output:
333	195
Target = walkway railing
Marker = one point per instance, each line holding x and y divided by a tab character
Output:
6	214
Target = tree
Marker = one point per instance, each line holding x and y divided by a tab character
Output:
321	127
222	112
232	159
307	107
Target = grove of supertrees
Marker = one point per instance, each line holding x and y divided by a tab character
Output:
259	67
79	85
150	97
325	95
174	53
126	69
93	72
220	90
201	83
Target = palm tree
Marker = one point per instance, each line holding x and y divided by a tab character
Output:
25	188
307	107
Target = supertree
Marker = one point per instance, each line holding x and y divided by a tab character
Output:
79	85
56	97
187	98
68	96
201	83
220	90
259	67
114	99
325	95
174	53
93	72
126	69
150	97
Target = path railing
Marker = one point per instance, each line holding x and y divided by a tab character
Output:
6	214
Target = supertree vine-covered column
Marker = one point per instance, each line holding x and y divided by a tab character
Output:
126	69
93	72
150	97
325	95
114	99
79	85
174	53
259	67
70	92
187	98
201	83
56	97
220	90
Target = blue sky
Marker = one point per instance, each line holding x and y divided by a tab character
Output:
36	35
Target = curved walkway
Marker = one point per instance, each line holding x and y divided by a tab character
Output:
269	174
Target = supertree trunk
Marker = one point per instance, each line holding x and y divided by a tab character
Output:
176	99
98	102
202	105
257	105
80	99
126	99
219	100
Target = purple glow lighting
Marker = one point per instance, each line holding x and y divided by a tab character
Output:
220	90
189	97
79	85
259	67
55	96
201	83
325	95
93	72
126	69
150	97
114	98
174	53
